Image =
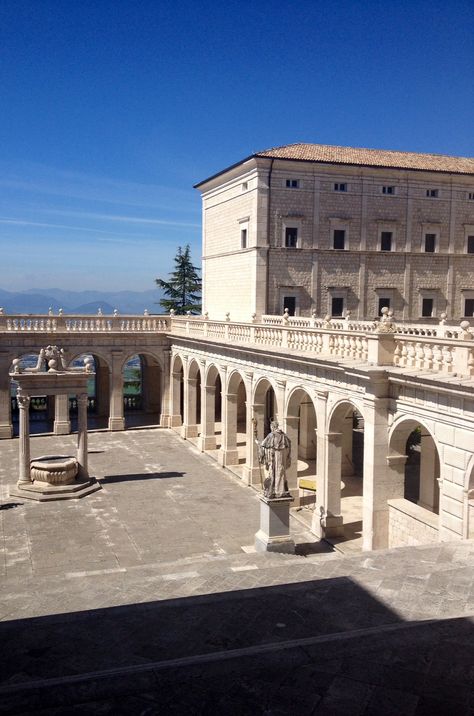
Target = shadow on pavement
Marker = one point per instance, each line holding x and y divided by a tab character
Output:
109	479
315	647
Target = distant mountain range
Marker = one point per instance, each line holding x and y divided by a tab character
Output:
39	300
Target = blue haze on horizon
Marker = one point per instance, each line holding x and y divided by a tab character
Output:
113	109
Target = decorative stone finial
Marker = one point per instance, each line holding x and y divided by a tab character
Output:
60	312
254	317
89	364
1	311
17	365
386	324
327	321
172	312
50	311
466	333
442	319
227	316
115	313
314	314
286	315
99	312
145	312
188	313
206	316
348	315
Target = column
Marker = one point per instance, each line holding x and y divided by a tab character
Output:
6	427
62	423
228	454
320	511
190	428
165	416
207	439
347	465
291	429
175	419
280	401
253	472
82	435
378	484
116	418
396	470
24	478
307	446
429	474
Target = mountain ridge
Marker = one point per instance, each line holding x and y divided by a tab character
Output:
88	302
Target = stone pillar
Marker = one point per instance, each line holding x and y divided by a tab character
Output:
6	427
83	472
328	494
396	471
378	486
320	511
116	417
228	453
24	441
62	423
207	439
190	428
347	465
165	417
253	472
291	429
429	474
280	401
175	419
151	377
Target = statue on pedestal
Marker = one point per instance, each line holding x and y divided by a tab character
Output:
275	454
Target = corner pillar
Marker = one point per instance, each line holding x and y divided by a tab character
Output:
62	423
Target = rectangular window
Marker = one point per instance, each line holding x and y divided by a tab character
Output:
291	237
469	307
427	307
337	306
432	193
470	244
340	187
386	241
292	183
245	186
430	243
339	239
388	190
243	238
471	196
289	302
383	303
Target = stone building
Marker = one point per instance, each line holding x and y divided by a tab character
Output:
332	229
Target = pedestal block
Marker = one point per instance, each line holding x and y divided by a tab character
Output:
274	532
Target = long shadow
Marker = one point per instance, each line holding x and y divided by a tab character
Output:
133	477
10	505
287	649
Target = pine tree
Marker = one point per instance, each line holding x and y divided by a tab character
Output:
183	290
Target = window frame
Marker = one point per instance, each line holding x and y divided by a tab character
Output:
388	189
432	193
340	186
292	183
387	228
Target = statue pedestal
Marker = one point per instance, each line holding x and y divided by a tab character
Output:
274	532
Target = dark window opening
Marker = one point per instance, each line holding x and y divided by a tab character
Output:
388	190
243	238
386	241
433	193
470	244
291	237
469	307
340	187
292	183
430	243
339	239
337	306
427	307
289	302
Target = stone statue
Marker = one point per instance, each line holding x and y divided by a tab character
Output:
275	453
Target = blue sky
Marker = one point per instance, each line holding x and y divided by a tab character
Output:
112	109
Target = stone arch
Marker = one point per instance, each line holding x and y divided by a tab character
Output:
265	405
142	388
344	468
234	420
300	426
98	405
414	456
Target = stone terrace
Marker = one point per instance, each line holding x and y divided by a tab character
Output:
140	600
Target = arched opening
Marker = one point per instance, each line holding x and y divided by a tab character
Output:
234	425
211	411
301	429
265	407
142	390
41	408
98	393
192	409
345	460
415	470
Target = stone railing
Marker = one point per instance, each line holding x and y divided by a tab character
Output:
83	324
377	343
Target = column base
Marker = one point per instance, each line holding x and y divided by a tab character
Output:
62	427
207	443
165	420
116	423
251	475
190	431
175	421
228	457
274	532
6	431
327	525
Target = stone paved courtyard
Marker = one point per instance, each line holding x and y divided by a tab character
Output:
140	599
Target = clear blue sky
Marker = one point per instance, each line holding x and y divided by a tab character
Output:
112	109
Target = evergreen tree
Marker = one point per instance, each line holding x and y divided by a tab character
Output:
183	290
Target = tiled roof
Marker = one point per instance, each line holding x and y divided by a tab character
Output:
371	157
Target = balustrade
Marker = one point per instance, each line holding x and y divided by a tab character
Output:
83	324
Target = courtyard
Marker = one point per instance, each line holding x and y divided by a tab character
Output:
146	597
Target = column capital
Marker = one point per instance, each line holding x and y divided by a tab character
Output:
394	460
281	383
322	394
23	400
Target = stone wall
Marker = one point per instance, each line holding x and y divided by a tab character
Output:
410	524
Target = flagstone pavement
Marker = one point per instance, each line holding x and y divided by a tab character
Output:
146	598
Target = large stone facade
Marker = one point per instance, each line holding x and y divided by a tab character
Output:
273	222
